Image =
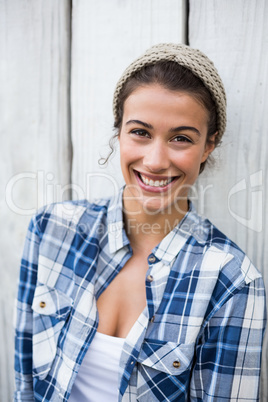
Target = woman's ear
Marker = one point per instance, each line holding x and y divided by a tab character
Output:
209	147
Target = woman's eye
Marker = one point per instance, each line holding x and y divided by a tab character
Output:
140	133
182	138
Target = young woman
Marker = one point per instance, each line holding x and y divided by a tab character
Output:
137	298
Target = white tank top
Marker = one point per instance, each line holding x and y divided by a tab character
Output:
97	378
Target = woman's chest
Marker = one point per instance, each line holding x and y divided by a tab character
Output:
122	302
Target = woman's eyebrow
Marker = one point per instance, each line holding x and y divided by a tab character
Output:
172	130
146	125
182	128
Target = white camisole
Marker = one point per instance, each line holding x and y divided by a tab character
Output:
97	378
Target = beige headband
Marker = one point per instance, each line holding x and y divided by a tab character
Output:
194	60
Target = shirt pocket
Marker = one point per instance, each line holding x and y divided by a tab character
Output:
166	366
51	308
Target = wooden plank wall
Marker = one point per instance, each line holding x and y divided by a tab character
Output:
34	136
107	35
59	63
234	34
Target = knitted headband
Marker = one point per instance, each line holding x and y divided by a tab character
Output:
194	60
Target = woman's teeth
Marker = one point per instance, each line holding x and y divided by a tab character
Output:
155	183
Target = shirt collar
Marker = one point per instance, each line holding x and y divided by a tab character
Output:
191	225
117	237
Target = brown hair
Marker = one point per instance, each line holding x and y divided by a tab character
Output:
174	77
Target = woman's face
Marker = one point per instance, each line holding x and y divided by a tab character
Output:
162	144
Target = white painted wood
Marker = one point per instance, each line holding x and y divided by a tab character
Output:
107	36
34	136
234	34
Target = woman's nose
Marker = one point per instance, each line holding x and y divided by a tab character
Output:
157	159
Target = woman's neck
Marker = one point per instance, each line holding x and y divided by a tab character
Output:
146	230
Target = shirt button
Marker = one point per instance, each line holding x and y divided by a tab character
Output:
152	319
42	304
176	364
150	278
151	258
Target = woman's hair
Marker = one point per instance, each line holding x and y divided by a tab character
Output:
174	77
176	67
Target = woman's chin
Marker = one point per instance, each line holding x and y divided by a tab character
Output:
155	206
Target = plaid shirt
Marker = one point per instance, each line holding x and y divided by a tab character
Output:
198	339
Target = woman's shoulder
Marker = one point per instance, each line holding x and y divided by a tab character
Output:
70	213
217	252
233	261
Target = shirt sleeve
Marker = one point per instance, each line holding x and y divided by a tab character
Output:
228	359
23	316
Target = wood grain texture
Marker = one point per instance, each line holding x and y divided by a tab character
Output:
234	34
34	136
107	36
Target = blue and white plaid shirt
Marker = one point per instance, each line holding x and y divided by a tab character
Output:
198	339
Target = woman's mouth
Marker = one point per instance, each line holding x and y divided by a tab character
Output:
155	183
158	184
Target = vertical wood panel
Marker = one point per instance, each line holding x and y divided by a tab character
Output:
34	136
107	36
235	35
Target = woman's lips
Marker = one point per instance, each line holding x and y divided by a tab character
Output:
154	183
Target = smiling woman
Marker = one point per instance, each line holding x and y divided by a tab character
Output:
158	305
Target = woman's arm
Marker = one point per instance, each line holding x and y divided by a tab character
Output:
229	356
23	321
